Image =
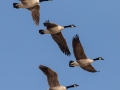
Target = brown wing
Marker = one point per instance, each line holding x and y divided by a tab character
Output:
89	68
49	24
59	39
52	76
77	48
35	13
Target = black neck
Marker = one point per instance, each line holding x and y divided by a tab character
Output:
96	59
42	0
69	86
67	26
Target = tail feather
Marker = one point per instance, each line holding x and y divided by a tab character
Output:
70	64
41	32
15	5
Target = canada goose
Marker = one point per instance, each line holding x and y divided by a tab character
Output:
81	58
33	6
55	31
52	78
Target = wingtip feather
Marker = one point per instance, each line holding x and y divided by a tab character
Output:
41	66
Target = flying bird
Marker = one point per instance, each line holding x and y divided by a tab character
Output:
31	5
81	58
52	79
55	31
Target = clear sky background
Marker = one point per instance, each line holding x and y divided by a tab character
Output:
23	49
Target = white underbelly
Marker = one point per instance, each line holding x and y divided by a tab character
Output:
58	88
55	30
85	62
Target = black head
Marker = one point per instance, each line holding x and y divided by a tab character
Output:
69	26
99	58
41	32
71	86
75	85
71	64
72	25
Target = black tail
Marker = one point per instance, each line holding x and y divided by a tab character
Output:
41	32
70	64
15	5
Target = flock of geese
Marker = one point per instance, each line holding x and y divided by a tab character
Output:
55	30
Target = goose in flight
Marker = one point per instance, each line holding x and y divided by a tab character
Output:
81	58
52	79
55	31
33	6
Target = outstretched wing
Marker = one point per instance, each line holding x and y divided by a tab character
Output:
52	76
48	24
77	48
35	13
59	39
89	68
